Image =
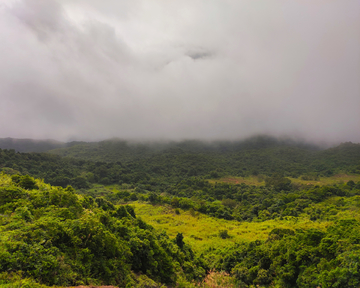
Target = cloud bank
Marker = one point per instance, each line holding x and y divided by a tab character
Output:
89	70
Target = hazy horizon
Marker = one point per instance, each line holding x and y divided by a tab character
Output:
167	141
89	70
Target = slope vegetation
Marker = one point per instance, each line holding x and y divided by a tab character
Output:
55	237
30	145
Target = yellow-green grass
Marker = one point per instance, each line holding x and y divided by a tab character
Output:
202	232
342	207
249	180
336	179
105	189
259	180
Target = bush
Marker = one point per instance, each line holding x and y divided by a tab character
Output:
25	182
223	234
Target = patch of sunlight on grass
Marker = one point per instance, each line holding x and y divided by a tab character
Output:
202	231
249	180
259	180
335	179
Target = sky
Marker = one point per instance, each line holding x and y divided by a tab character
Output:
180	69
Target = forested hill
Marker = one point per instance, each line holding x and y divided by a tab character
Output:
30	145
116	162
256	155
120	150
34	145
54	236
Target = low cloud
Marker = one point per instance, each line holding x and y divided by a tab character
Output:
91	70
197	54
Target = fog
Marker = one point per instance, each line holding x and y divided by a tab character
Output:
182	69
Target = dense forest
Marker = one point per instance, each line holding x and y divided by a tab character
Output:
68	216
158	165
30	145
56	237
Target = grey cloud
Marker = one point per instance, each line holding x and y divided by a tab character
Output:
199	53
180	69
43	17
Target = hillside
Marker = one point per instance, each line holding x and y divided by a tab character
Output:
256	155
154	166
258	213
53	236
114	150
30	145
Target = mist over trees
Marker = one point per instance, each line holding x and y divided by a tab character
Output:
186	144
56	235
152	164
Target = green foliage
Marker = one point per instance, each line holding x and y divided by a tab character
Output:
25	182
56	237
223	234
251	203
179	240
279	233
16	280
29	145
311	258
11	194
278	182
156	166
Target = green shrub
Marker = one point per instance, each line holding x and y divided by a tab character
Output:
223	234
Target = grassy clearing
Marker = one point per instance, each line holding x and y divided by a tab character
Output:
101	190
250	180
98	190
340	207
202	232
336	179
259	180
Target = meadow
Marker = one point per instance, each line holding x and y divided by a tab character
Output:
266	215
201	232
260	180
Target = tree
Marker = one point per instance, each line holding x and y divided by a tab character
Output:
28	183
278	182
180	240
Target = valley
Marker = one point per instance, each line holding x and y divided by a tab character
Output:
259	213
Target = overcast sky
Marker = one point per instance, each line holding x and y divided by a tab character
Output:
204	69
